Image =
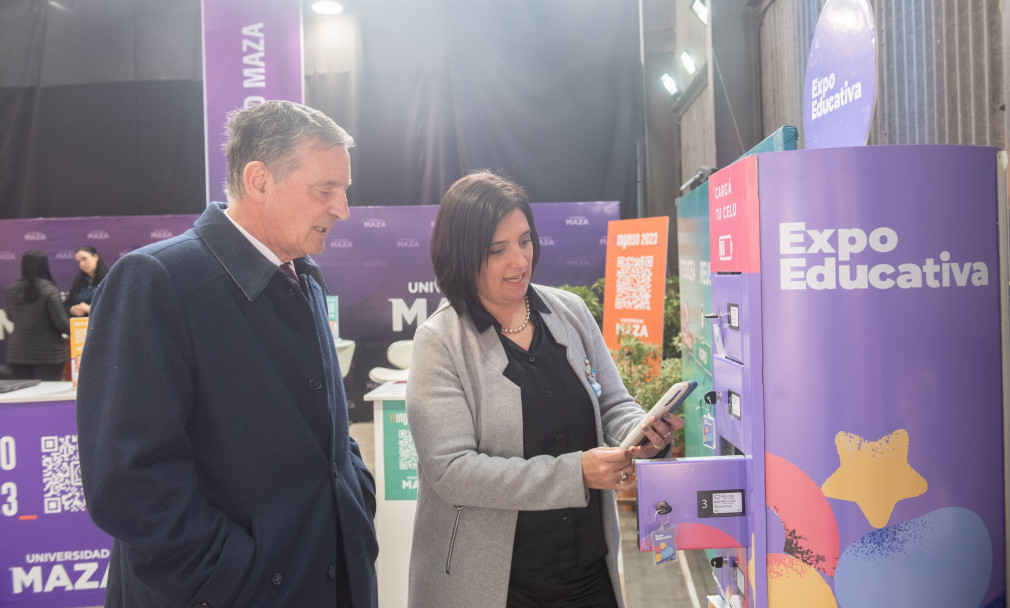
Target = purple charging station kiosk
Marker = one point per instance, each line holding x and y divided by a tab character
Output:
857	384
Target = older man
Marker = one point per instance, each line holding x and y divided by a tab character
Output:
211	414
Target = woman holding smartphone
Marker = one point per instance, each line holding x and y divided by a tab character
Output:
513	401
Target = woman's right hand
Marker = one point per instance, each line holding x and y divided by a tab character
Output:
602	469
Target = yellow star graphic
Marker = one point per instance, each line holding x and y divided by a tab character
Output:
874	474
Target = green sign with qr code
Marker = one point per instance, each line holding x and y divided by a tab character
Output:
398	453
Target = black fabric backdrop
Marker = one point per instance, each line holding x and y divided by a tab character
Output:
101	101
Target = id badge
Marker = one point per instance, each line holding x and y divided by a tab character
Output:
591	377
720	347
664	546
708	431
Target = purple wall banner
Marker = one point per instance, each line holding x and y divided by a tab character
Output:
869	410
884	409
841	76
112	237
252	52
377	263
51	555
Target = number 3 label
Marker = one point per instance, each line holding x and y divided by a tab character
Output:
8	460
10	507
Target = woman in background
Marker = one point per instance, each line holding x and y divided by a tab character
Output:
36	348
93	270
512	399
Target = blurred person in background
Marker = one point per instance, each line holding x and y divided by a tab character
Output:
36	348
93	270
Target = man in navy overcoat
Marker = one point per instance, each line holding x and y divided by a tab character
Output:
213	430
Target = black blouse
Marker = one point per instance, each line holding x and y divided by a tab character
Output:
558	418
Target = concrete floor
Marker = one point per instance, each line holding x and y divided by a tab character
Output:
646	585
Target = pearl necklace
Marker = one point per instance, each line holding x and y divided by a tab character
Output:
526	299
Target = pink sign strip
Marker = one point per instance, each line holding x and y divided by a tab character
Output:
733	218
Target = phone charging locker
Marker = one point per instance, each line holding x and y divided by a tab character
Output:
858	396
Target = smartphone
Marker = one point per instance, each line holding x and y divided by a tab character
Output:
669	402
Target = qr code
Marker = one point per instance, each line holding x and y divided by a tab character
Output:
408	455
61	475
634	280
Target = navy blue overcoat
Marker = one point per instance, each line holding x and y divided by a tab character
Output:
213	432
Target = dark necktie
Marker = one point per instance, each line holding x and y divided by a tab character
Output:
289	269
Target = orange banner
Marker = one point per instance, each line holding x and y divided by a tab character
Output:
78	332
636	279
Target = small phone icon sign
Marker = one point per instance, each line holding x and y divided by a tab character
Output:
726	247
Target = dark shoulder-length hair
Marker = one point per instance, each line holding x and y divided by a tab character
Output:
101	269
464	226
34	265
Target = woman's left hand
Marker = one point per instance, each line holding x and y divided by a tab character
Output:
659	432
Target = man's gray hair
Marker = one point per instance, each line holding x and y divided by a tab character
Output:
274	133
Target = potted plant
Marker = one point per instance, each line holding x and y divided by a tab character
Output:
635	359
635	362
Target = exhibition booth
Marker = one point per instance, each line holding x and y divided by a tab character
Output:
848	444
52	555
853	330
854	334
843	311
376	264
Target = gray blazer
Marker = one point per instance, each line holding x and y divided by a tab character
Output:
466	420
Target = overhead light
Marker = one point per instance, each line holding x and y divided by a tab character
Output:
700	177
700	10
669	84
688	62
327	7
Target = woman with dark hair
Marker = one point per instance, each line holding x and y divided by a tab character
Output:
512	399
36	348
93	270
